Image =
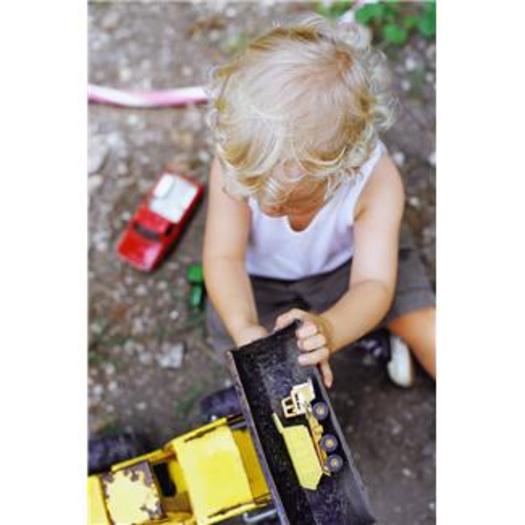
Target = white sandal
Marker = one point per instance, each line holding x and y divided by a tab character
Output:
400	368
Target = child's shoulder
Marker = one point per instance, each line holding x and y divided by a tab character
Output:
384	186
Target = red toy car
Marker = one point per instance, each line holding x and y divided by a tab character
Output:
159	221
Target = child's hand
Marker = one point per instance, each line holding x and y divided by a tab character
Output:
313	337
250	333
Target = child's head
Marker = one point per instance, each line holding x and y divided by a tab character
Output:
296	113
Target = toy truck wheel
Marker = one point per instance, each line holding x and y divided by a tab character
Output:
328	443
320	411
106	449
334	463
222	403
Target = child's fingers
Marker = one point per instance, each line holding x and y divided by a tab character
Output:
289	317
307	329
312	343
326	372
312	358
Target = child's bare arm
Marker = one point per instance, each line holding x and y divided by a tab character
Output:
374	265
227	283
373	275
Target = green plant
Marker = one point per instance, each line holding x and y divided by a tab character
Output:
391	20
333	9
395	21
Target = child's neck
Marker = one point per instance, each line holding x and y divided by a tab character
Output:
300	221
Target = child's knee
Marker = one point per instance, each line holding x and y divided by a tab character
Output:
416	328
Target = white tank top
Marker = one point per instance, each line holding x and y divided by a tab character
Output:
276	250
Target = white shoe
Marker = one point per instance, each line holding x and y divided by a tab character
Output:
400	368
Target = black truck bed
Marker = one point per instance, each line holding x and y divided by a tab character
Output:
264	372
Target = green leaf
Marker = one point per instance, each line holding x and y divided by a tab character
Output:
410	21
427	22
370	12
427	27
340	8
335	9
390	12
395	34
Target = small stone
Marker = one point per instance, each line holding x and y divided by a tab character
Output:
431	53
162	285
187	71
214	35
129	347
405	85
137	327
172	356
110	21
396	428
414	202
122	169
125	74
432	506
411	64
432	158
109	369
428	234
141	290
399	158
126	216
98	390
429	77
132	120
203	156
96	328
230	12
95	44
407	473
174	315
113	386
145	358
141	405
101	246
97	153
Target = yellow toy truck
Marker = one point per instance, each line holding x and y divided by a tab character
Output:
205	476
310	449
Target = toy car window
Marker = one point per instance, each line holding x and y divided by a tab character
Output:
163	186
145	232
172	197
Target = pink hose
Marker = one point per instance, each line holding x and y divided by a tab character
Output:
150	99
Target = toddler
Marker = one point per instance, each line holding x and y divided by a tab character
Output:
305	204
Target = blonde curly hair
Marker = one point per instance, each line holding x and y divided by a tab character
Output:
304	102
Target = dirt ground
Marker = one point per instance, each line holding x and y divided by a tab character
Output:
135	319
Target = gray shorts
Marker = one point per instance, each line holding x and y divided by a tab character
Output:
319	292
